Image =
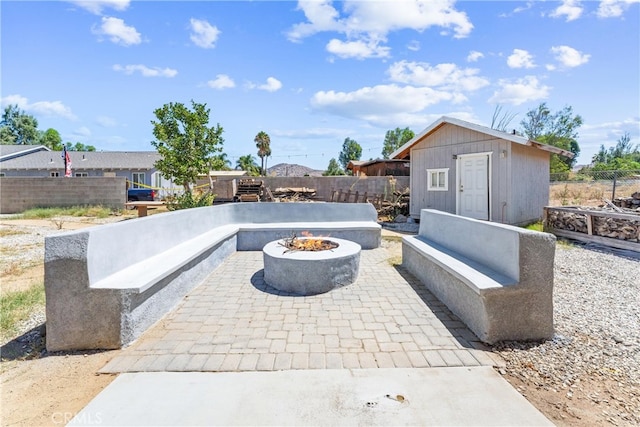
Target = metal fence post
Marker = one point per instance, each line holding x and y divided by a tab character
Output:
613	192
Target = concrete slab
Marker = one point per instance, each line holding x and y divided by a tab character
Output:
433	396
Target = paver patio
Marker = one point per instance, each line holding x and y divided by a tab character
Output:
235	322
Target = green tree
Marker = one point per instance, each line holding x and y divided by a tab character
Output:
221	162
6	136
558	129
333	169
395	139
17	127
351	150
79	146
51	138
263	143
622	156
248	163
186	144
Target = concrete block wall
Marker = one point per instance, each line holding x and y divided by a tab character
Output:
324	184
18	194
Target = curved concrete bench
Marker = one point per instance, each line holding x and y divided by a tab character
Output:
106	285
498	279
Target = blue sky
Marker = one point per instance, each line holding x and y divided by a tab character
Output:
312	73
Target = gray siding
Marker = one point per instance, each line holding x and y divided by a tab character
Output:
437	151
519	174
530	183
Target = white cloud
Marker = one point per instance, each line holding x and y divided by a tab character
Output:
82	132
520	59
107	122
569	57
311	133
370	21
614	8
42	108
519	91
272	85
145	71
443	76
413	45
118	32
358	49
607	133
203	34
474	55
572	9
96	6
528	5
380	105
321	16
222	81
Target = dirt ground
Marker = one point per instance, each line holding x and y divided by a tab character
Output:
44	389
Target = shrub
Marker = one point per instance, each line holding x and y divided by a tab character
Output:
189	200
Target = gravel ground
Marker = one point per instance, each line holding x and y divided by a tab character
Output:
594	356
597	341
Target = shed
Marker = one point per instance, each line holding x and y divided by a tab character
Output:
379	167
478	172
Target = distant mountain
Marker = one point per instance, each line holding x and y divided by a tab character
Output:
287	169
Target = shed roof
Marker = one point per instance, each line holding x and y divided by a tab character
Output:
83	160
403	152
363	163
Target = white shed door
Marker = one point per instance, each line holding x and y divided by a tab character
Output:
474	186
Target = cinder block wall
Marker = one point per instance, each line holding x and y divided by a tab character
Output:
324	185
20	194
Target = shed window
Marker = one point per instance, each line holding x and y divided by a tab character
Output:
438	179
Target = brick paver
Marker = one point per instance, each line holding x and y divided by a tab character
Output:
235	322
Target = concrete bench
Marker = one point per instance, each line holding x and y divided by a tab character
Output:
498	279
106	285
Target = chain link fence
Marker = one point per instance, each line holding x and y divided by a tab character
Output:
590	188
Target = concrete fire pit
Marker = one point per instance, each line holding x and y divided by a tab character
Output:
311	272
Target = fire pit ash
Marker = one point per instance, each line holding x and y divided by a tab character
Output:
308	243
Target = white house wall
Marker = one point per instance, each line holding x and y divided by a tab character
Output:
437	151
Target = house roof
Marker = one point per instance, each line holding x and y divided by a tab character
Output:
403	152
16	150
83	160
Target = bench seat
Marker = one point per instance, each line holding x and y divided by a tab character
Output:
142	275
498	279
253	236
477	276
106	285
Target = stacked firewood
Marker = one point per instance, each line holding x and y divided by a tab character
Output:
396	204
570	221
617	228
297	194
632	202
613	225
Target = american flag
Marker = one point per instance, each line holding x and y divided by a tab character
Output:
67	162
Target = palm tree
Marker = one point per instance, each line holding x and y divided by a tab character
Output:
248	163
222	161
263	142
